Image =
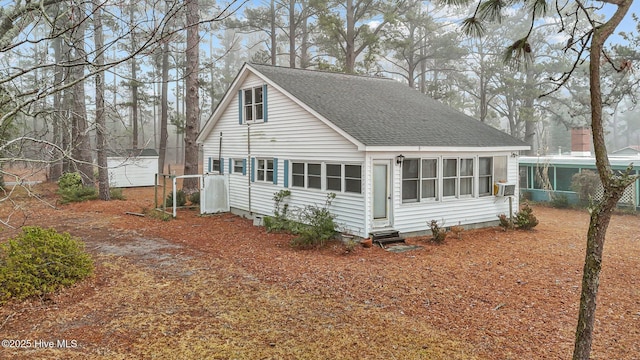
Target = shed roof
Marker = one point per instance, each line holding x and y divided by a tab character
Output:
132	153
383	112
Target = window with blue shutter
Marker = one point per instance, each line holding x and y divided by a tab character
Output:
221	165
210	165
252	104
244	166
231	166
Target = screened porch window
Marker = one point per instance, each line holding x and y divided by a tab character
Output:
449	177
419	179
485	176
307	175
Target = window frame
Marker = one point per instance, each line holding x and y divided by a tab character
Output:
300	170
490	176
420	180
263	170
235	169
215	165
253	105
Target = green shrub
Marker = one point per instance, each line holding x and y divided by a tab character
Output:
560	201
313	225
280	220
317	225
80	194
70	189
39	261
438	234
194	198
525	219
116	194
70	181
181	199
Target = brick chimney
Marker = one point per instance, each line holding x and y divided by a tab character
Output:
581	141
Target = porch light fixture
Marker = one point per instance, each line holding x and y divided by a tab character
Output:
399	159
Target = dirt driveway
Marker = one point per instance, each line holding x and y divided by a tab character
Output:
216	287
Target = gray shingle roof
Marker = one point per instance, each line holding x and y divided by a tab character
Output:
384	112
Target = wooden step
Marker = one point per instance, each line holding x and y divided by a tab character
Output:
386	237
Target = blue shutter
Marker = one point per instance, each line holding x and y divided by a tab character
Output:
253	169
230	166
286	173
264	102
210	164
240	107
221	165
275	171
244	166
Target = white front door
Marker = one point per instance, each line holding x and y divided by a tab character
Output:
381	193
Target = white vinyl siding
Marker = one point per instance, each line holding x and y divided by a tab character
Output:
279	138
413	216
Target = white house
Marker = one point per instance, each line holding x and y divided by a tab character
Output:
395	158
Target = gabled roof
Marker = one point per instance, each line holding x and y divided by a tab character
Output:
383	112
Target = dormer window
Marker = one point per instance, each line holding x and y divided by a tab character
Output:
253	104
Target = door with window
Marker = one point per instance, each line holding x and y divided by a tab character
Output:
381	187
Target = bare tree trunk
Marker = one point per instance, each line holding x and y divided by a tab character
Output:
613	185
81	142
101	127
274	40
350	48
192	120
292	33
55	169
528	112
134	80
164	107
304	46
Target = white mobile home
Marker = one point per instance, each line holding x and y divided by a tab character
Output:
395	158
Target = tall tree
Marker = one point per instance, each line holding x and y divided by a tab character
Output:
418	45
133	82
590	40
101	126
80	128
348	29
192	104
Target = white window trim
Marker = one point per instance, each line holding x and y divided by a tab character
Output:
323	176
213	166
491	176
438	182
234	164
253	105
265	169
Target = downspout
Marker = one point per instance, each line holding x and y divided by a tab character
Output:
249	166
220	153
